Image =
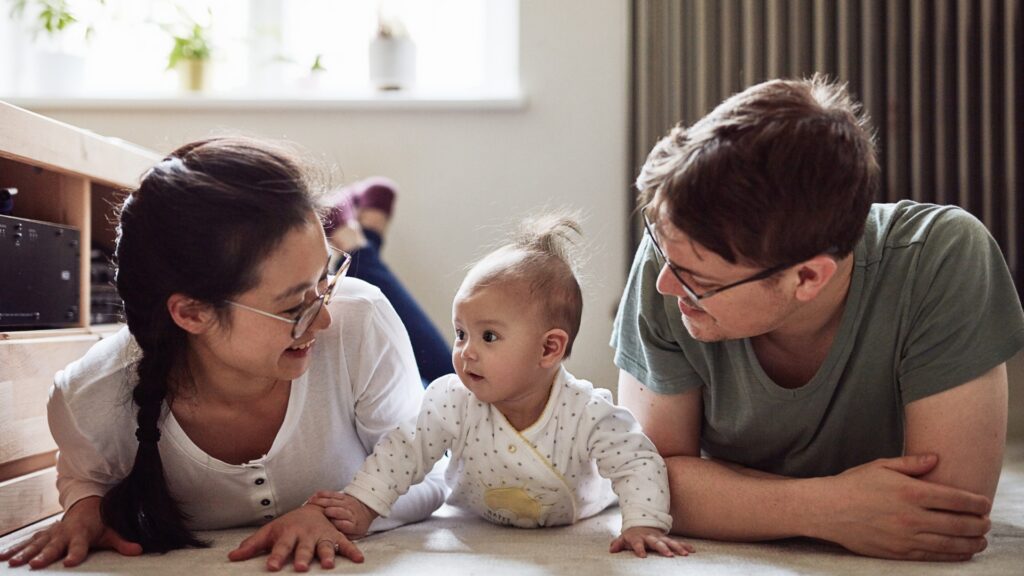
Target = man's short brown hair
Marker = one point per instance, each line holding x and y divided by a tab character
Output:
776	174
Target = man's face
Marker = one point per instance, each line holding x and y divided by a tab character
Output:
744	311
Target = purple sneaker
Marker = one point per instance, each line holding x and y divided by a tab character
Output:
375	192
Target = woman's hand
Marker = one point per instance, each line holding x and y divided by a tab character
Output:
640	539
80	530
301	533
347	513
881	509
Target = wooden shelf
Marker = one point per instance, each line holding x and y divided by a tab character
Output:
36	140
73	177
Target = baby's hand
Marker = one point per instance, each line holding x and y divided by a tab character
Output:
640	539
350	516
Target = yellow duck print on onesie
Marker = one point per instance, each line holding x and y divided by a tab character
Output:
512	506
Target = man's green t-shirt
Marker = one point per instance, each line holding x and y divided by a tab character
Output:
931	305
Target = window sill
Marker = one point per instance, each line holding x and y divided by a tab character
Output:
355	101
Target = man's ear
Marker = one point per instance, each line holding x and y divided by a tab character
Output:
555	341
191	315
814	275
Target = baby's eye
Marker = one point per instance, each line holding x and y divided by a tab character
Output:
490	336
460	335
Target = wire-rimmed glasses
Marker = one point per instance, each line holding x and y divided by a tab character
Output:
690	292
338	261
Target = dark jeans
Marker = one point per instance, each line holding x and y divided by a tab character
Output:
433	356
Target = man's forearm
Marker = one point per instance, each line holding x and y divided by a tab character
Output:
711	499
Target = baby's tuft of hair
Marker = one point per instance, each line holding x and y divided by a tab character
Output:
542	255
553	235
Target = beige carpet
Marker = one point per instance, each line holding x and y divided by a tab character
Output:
454	544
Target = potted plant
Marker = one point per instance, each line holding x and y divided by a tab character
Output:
58	67
392	56
314	77
190	54
50	16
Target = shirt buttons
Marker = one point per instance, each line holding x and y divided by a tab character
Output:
512	448
265	502
268	516
260	481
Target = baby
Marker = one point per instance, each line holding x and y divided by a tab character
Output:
530	444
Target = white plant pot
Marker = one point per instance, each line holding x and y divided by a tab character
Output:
56	73
392	62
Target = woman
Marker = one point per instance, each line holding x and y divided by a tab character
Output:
244	381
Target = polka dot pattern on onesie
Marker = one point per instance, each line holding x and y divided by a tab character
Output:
559	470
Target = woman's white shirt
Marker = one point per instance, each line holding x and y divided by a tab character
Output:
362	382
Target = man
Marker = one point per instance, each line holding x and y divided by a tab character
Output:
810	364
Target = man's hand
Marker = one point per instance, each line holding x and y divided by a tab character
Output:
882	509
640	539
347	513
301	533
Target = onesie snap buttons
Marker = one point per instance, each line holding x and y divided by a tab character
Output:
512	448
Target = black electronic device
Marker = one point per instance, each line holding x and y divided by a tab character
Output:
105	305
39	274
7	200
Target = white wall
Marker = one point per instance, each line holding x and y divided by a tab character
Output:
466	174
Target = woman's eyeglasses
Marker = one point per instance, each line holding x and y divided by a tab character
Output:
338	261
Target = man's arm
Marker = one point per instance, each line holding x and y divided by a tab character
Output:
971	451
709	499
877	509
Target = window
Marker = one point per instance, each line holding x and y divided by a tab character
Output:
260	48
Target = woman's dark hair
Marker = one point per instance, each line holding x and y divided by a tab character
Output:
200	224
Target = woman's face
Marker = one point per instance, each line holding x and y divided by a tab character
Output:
251	346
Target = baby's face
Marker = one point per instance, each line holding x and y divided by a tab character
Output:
499	342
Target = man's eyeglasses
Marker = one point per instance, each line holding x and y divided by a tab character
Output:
338	261
690	292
